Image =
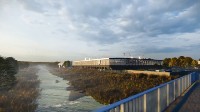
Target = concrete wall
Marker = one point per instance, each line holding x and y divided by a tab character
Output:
149	72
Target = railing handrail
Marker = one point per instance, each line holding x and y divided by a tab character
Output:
118	103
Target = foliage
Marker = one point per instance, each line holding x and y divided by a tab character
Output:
108	86
184	62
8	69
22	97
194	63
173	62
67	63
166	62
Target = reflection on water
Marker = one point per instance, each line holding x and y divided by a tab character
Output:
55	98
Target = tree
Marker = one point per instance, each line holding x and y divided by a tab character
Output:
67	63
8	69
194	63
166	62
12	66
173	62
188	62
181	61
2	66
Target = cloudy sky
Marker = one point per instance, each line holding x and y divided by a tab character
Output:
56	30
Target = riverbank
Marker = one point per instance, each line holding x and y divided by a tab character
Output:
107	86
22	97
55	96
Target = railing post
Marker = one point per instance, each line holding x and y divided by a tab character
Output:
179	87
182	83
130	105
167	94
186	77
158	109
145	102
117	109
134	105
188	82
174	90
122	108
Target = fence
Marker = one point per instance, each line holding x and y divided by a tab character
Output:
155	99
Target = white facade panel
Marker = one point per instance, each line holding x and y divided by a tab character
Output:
117	61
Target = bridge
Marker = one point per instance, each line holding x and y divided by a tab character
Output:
181	94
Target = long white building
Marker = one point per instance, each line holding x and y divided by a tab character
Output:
118	63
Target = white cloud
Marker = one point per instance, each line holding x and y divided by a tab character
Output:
90	28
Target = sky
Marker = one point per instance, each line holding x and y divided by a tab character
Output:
58	30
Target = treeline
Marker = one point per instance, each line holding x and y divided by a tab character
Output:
184	62
23	64
8	68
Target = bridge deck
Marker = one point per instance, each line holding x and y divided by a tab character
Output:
192	103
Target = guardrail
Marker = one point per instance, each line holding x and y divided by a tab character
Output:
155	99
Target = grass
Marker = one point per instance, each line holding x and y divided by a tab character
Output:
108	87
22	97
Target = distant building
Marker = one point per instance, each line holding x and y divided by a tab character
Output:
61	64
198	62
118	63
65	64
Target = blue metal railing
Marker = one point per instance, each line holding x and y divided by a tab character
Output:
155	99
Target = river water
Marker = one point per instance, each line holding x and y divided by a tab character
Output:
55	98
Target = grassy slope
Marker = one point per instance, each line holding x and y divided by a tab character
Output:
22	97
109	87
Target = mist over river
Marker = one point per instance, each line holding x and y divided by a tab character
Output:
54	97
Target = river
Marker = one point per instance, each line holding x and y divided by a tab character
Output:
55	98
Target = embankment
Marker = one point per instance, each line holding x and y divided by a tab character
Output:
106	86
22	96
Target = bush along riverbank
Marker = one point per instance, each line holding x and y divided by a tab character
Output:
8	69
108	87
22	97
